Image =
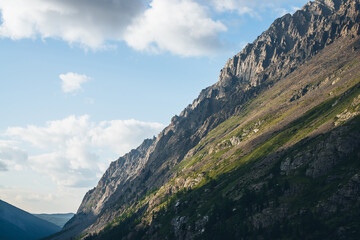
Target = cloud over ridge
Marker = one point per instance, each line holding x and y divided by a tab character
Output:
73	149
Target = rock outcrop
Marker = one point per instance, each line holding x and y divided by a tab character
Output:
290	42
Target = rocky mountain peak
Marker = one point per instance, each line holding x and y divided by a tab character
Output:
289	42
331	4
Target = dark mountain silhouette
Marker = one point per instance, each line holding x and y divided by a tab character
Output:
18	224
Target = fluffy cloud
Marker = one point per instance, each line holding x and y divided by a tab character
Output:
11	156
87	22
77	150
71	82
180	26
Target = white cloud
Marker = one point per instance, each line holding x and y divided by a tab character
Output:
87	22
240	6
76	150
34	197
67	171
182	27
11	157
71	82
127	132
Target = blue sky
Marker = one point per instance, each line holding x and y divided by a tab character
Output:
83	82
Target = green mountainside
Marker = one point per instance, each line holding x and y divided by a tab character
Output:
271	151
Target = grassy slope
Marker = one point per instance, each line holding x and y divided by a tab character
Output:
217	182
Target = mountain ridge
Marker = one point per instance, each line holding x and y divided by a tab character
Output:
18	224
290	42
59	219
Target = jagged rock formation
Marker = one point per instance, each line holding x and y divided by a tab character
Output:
291	68
289	42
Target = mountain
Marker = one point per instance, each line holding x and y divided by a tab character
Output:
59	219
271	151
18	224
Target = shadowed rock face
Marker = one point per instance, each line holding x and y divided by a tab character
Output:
289	42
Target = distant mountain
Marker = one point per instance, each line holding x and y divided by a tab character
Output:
16	224
58	219
271	151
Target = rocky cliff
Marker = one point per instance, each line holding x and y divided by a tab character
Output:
263	109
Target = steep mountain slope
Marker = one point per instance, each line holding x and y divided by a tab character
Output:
18	224
59	219
261	153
